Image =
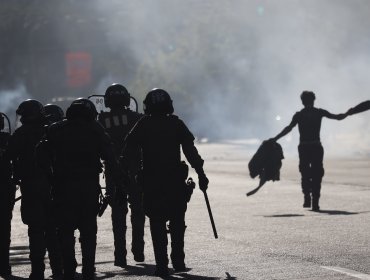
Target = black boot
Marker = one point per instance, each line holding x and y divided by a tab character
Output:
315	204
307	201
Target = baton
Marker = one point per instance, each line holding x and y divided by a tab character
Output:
210	214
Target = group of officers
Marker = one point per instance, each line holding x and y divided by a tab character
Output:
57	160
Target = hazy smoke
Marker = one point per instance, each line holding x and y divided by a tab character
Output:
10	100
235	69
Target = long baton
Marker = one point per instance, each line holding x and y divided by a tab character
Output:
210	214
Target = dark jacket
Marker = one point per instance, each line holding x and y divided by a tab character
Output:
32	179
161	139
267	159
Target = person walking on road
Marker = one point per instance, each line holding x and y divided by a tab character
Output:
310	149
161	135
35	189
117	123
76	147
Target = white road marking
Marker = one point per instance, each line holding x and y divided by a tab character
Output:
349	272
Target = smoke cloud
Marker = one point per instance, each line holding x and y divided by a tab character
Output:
235	69
10	99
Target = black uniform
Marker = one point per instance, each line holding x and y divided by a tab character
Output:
7	196
36	198
117	123
76	147
160	138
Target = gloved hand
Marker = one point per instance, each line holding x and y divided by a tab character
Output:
203	181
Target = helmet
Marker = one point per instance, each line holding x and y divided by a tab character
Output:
30	110
82	108
307	97
53	113
158	102
116	95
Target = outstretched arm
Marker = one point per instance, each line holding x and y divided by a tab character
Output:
338	117
363	106
287	129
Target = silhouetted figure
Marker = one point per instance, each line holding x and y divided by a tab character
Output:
77	145
311	152
160	134
7	198
35	188
117	123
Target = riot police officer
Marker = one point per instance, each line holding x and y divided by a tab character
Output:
35	188
77	145
117	123
7	198
161	135
53	113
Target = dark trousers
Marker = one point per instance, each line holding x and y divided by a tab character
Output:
6	209
119	213
311	168
42	238
88	231
76	204
158	231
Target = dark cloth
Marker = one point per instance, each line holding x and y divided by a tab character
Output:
117	124
267	160
311	168
161	139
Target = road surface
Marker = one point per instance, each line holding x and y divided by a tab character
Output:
265	236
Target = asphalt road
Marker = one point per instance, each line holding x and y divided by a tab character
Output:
265	236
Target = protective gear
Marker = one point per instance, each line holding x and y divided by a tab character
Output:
117	123
30	111
35	188
307	97
53	113
116	95
82	108
163	175
158	102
